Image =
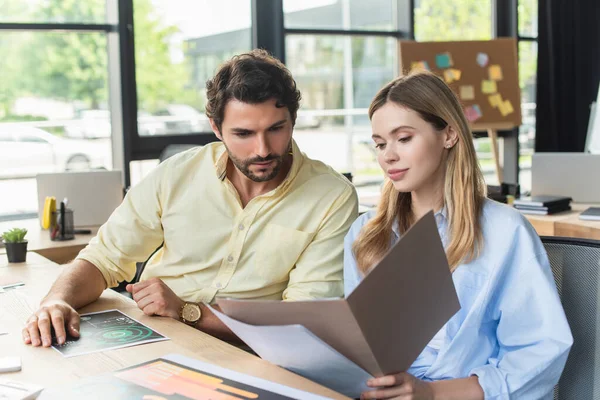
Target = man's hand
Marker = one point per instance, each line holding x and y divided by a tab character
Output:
55	314
154	297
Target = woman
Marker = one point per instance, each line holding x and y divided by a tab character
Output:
511	338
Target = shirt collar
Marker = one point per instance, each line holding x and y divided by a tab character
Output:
441	217
297	161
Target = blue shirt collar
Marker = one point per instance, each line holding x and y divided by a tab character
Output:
440	217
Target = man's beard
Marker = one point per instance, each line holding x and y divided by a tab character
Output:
244	165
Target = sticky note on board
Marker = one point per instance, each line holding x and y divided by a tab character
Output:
420	65
495	72
489	87
443	60
506	108
482	59
467	92
473	113
495	100
452	75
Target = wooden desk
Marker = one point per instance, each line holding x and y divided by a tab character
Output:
566	224
39	241
46	367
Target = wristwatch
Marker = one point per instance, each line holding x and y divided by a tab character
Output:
190	313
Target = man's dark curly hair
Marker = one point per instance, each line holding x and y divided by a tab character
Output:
253	78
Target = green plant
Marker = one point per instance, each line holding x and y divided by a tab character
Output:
15	235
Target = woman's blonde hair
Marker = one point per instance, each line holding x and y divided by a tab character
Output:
464	186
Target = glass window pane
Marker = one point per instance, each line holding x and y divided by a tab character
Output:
338	77
528	52
380	15
53	11
450	20
178	47
54	104
528	18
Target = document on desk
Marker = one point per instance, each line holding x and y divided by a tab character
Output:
381	327
107	330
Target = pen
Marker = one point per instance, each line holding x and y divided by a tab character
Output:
62	219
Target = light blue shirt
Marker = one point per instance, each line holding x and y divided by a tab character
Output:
511	330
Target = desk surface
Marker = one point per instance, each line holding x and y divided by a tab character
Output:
566	224
39	241
46	367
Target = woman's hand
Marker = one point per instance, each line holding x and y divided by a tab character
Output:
402	386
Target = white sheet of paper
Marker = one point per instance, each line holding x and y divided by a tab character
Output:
297	349
243	378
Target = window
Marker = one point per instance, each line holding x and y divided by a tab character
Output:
54	11
340	54
338	77
438	20
380	15
53	95
178	46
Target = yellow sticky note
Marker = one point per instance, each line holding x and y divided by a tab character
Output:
495	72
467	92
419	65
448	76
495	99
489	87
451	75
506	108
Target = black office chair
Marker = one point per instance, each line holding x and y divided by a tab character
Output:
575	264
173	149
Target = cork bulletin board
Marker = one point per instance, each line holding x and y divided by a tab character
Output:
483	74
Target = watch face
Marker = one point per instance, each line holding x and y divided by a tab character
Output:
191	312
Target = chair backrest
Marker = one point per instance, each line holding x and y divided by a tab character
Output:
576	264
173	149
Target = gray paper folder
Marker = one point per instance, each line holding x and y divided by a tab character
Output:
386	321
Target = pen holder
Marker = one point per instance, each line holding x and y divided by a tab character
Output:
62	228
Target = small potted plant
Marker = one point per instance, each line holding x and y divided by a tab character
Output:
16	245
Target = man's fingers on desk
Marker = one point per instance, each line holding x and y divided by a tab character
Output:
32	332
58	322
45	327
74	324
26	337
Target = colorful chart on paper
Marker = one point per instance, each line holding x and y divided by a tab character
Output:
163	379
107	330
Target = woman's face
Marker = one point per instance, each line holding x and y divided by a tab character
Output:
411	152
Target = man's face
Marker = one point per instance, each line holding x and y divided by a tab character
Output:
257	137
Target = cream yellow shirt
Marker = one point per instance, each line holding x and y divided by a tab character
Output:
286	244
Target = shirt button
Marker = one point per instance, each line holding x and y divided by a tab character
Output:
218	285
230	258
241	227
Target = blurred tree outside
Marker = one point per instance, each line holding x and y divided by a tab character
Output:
72	66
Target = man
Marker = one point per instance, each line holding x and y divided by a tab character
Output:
249	217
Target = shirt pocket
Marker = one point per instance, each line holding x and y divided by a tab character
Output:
279	249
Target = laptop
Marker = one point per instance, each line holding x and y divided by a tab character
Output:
92	195
572	175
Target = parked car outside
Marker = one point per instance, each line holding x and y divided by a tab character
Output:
182	119
27	150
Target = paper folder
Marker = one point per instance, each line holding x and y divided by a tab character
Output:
385	323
